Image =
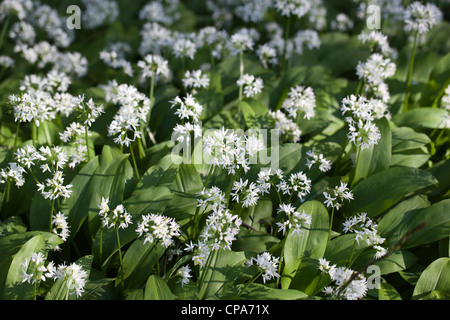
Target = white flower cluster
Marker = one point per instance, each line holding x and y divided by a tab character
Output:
195	79
374	72
340	276
164	12
252	85
230	150
60	225
297	183
300	101
189	112
133	111
119	217
377	41
156	227
288	129
35	270
116	60
366	230
154	66
342	22
249	193
313	158
339	194
298	8
362	131
267	55
6	62
421	18
185	274
267	264
445	103
219	233
211	197
99	13
306	38
295	220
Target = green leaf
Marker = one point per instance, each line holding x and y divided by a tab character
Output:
257	291
12	225
434	282
157	289
309	244
256	114
388	292
421	118
138	263
377	157
384	189
225	267
15	289
60	291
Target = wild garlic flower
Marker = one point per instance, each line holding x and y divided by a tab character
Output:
297	8
313	158
338	195
240	42
252	10
445	103
247	195
301	100
211	197
366	230
6	62
74	276
99	13
154	66
60	227
195	79
187	108
231	151
292	219
184	48
355	290
376	69
221	229
377	41
13	172
288	129
185	274
252	85
114	60
158	228
34	269
306	38
266	264
119	217
325	267
363	134
297	183
27	156
133	111
164	12
54	187
155	38
267	55
421	18
341	22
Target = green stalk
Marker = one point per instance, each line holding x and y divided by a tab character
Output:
411	67
120	254
349	263
51	214
247	285
331	224
134	163
87	142
5	27
286	37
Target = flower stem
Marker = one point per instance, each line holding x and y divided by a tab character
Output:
409	78
331	224
120	255
51	214
286	37
134	163
5	27
349	263
247	285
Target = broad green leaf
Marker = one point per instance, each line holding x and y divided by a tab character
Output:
257	291
388	292
12	225
421	118
382	190
339	249
309	244
256	114
377	157
434	282
441	171
254	241
15	288
225	267
397	261
162	174
138	263
157	289
60	291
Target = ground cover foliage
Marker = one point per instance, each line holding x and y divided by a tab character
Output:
224	150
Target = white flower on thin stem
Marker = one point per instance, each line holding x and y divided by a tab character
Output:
252	85
156	227
118	217
338	195
421	18
313	158
300	100
60	225
195	79
293	219
266	264
185	274
74	276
